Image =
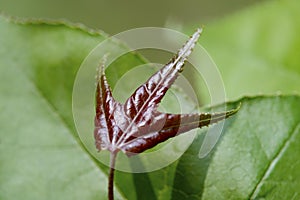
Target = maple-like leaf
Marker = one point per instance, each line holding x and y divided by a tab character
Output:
137	125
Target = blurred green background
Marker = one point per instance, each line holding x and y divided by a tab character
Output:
254	44
117	15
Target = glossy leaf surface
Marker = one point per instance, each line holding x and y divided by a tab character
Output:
137	125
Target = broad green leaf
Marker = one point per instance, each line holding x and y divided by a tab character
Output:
256	157
257	49
41	154
39	61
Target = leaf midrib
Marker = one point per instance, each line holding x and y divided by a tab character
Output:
274	161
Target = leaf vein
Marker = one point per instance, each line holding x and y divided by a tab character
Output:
274	161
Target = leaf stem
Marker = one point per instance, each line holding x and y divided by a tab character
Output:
112	163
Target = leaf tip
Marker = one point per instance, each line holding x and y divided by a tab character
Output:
234	111
101	67
199	30
184	52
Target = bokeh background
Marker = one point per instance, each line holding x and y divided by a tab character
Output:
119	15
254	43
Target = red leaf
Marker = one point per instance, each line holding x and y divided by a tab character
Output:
174	124
137	125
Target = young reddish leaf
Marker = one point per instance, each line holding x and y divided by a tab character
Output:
174	124
105	106
136	125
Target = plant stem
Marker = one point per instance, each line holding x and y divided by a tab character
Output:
112	163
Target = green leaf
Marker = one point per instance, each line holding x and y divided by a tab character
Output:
41	154
256	157
40	157
39	61
257	49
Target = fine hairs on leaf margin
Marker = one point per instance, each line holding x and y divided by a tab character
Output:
137	125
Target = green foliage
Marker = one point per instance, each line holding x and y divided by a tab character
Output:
41	155
255	158
257	50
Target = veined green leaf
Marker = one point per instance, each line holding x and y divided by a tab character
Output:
256	157
41	154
